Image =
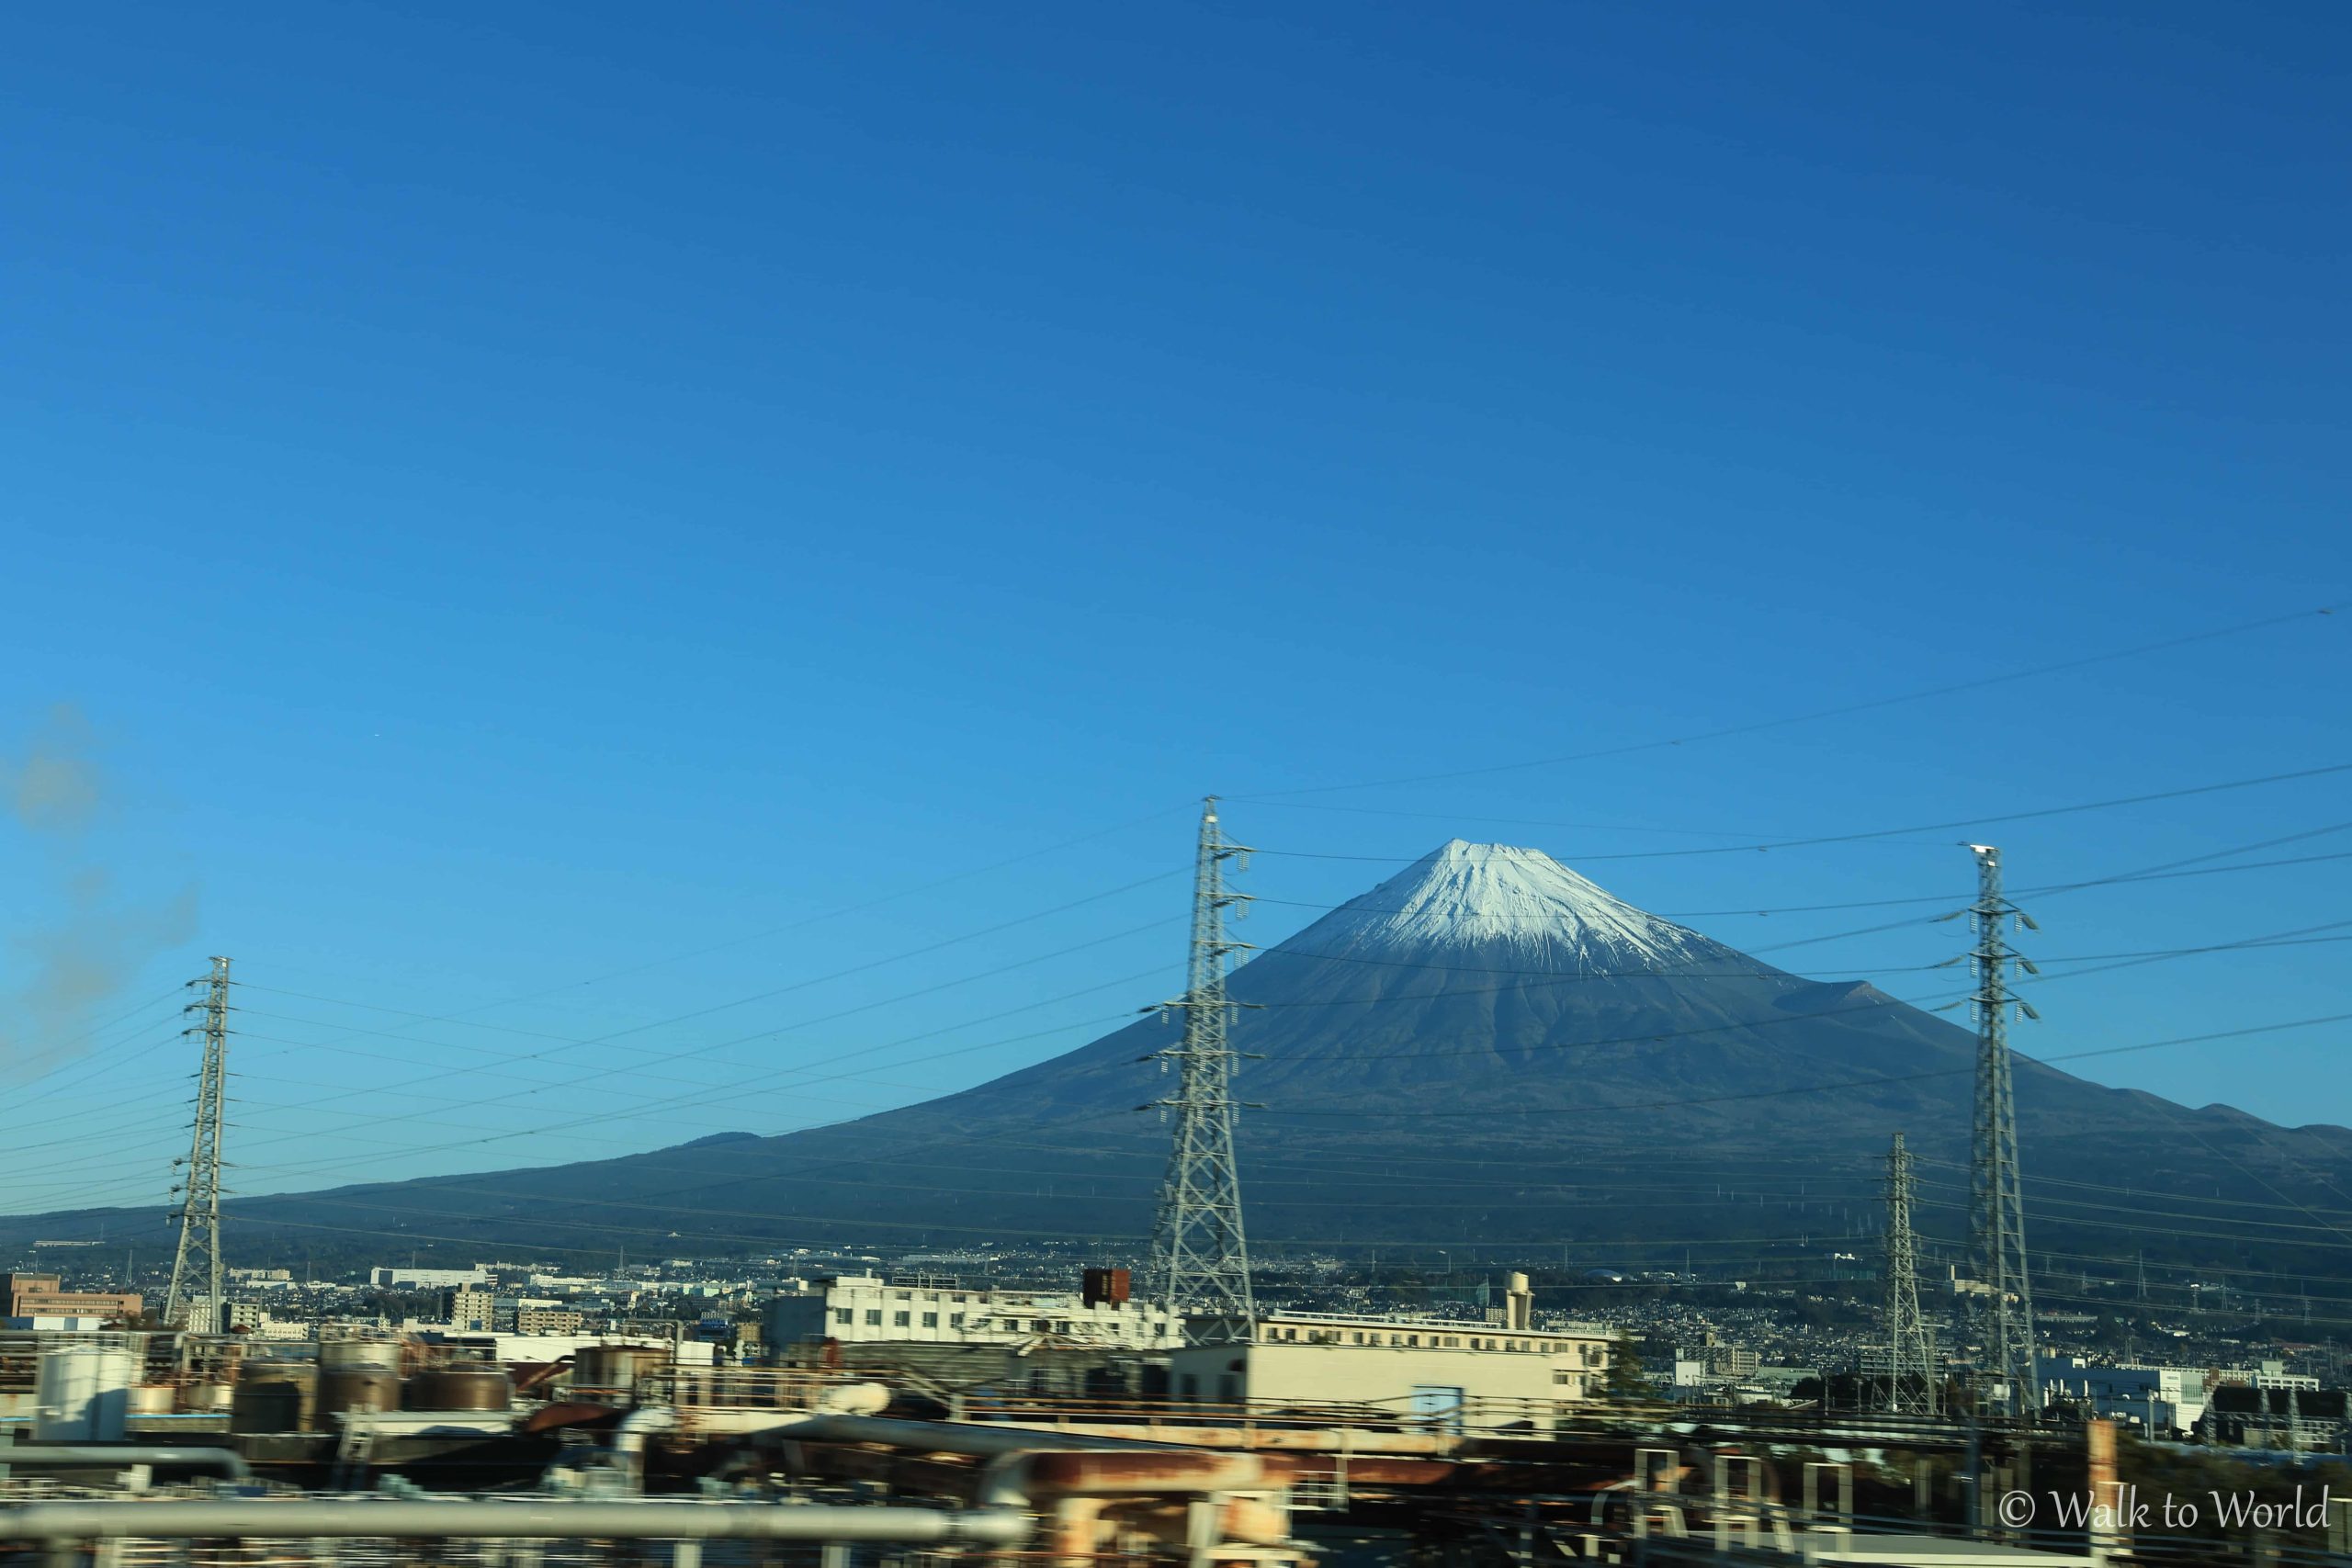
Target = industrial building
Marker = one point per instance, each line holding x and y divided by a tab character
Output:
1462	1376
2296	1419
866	1308
2160	1399
43	1295
427	1278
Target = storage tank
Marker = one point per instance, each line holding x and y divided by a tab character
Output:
855	1399
152	1399
1106	1287
205	1398
616	1367
274	1397
346	1390
460	1388
352	1355
81	1394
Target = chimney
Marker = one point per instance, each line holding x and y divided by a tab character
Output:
1521	1311
2106	1537
1106	1287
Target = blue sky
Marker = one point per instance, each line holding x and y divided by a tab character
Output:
533	516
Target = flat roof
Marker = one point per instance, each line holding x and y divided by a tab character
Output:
1936	1552
1444	1325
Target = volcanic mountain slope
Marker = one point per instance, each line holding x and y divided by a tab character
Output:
1487	1050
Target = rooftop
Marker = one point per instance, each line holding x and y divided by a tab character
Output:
1422	1320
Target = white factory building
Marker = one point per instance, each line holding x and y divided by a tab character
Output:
2159	1399
865	1309
427	1278
1462	1376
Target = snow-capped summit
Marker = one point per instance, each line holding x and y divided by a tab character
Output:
1496	895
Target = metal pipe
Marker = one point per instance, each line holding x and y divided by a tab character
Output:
628	1439
665	1520
1026	1479
946	1436
122	1456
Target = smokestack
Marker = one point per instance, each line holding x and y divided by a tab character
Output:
1106	1287
2106	1537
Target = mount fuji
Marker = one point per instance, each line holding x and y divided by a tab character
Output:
1486	1053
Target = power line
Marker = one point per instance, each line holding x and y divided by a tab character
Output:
1757	971
669	1059
1841	711
2040	1181
804	1174
17	1098
1844	1083
1896	832
805	921
1782	1020
1914	899
735	1092
676	1100
766	1034
674	1055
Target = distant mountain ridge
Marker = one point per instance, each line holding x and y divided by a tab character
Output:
1486	1053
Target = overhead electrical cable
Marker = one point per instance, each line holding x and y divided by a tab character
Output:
665	1058
688	1102
807	921
1951	825
1840	711
1944	898
1841	1083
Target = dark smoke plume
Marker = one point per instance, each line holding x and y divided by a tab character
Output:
76	945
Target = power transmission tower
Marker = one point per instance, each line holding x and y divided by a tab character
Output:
1910	1369
1199	1259
1996	1202
201	1205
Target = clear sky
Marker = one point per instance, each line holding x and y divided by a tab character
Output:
531	513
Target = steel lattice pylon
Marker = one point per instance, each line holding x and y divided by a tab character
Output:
2006	1368
200	1204
1911	1369
1199	1262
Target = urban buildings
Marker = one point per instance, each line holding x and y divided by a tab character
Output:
548	1320
1473	1375
41	1295
470	1309
414	1278
2159	1399
2297	1419
866	1308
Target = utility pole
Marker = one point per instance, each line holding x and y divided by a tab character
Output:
200	1202
1911	1372
1996	1202
1199	1259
